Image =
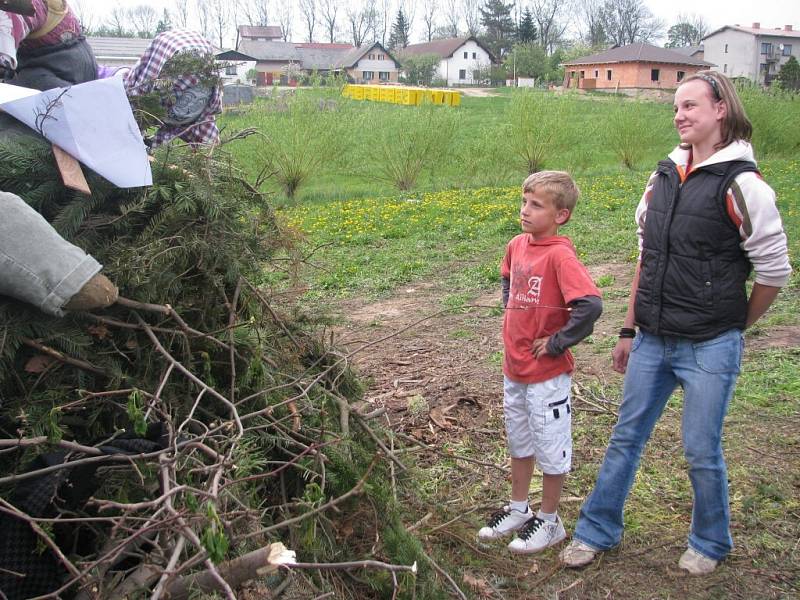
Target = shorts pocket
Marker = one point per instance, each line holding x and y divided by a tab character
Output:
557	419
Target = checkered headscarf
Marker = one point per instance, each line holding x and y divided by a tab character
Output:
141	79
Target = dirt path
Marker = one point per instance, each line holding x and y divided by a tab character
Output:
438	375
442	373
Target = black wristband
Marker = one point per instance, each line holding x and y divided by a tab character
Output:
627	332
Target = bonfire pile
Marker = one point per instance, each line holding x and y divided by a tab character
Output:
183	438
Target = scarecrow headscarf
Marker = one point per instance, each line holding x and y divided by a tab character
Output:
177	70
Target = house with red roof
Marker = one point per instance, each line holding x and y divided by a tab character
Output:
637	66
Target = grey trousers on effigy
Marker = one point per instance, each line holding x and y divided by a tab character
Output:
37	265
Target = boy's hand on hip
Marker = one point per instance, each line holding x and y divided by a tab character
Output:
620	354
539	347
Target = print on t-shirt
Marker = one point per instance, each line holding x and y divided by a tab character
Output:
534	291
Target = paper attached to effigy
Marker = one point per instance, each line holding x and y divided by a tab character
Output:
92	122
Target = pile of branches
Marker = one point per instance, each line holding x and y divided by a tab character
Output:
173	441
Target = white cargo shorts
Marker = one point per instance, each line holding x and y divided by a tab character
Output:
538	420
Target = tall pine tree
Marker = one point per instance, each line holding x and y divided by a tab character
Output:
400	31
500	29
526	31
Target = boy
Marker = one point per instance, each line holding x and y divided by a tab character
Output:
551	304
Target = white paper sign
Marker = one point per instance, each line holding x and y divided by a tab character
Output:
92	122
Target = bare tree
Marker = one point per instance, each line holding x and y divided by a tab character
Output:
256	12
550	22
329	10
308	8
361	20
117	20
143	18
204	16
630	21
180	13
429	18
591	22
472	16
220	18
286	18
453	17
383	20
85	16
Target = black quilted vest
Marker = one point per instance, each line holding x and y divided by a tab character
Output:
693	271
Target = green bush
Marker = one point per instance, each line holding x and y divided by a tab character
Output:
624	127
536	127
300	136
406	141
775	116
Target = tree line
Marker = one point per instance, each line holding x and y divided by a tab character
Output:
551	24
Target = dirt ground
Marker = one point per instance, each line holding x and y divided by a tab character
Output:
438	376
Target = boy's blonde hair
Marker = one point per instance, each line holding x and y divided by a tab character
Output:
561	188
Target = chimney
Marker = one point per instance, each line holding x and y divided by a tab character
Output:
787	27
756	25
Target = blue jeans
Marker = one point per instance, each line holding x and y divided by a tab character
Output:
37	265
707	372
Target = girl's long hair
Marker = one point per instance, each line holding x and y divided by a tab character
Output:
735	126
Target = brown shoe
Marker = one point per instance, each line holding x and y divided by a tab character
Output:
98	292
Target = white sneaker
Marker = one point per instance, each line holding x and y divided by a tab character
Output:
696	563
577	554
538	535
504	521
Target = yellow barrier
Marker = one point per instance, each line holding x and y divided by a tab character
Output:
407	96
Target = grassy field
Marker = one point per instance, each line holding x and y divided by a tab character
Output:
365	240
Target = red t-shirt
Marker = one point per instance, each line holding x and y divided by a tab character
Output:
545	275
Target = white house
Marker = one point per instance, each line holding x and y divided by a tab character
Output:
463	61
118	51
370	63
237	66
754	52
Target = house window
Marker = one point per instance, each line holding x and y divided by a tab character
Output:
726	48
380	57
462	73
572	74
230	70
466	54
681	75
368	75
787	50
383	75
766	48
654	74
474	55
582	75
596	73
762	67
608	74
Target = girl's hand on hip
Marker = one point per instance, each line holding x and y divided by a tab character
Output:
620	354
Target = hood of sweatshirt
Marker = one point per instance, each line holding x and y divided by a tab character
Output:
739	150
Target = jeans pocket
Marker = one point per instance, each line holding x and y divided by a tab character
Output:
722	354
637	341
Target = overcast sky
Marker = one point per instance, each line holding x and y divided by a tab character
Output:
770	13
